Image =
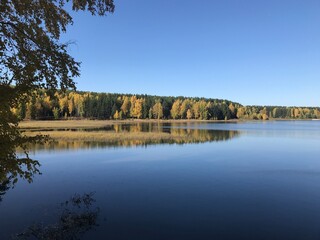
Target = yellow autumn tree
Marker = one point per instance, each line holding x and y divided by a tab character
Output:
232	109
185	105
203	111
136	107
157	110
189	114
196	110
116	115
70	104
63	104
78	104
133	100
296	113
175	110
125	107
241	112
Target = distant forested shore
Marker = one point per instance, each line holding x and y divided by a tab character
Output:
90	105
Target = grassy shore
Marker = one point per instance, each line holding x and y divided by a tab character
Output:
63	131
111	136
84	123
65	124
99	123
91	124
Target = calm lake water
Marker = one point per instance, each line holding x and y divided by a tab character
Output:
252	180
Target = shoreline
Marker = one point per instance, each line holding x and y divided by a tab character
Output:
86	123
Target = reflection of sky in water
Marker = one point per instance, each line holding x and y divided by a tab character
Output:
254	125
198	132
256	186
267	128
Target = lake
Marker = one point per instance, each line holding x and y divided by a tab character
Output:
246	180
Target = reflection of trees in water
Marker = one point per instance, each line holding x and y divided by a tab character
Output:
5	186
12	164
203	135
78	216
133	138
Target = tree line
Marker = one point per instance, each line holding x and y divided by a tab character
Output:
44	105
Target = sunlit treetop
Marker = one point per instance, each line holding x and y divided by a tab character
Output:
31	55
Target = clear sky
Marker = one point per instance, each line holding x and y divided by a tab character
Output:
254	52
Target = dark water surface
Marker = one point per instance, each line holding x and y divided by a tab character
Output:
253	180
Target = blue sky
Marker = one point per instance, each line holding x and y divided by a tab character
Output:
252	52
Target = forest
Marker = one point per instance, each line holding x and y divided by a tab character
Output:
43	105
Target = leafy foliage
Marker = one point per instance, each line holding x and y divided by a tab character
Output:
30	52
92	105
31	57
13	166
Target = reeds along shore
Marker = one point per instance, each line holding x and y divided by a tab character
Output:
126	134
85	123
